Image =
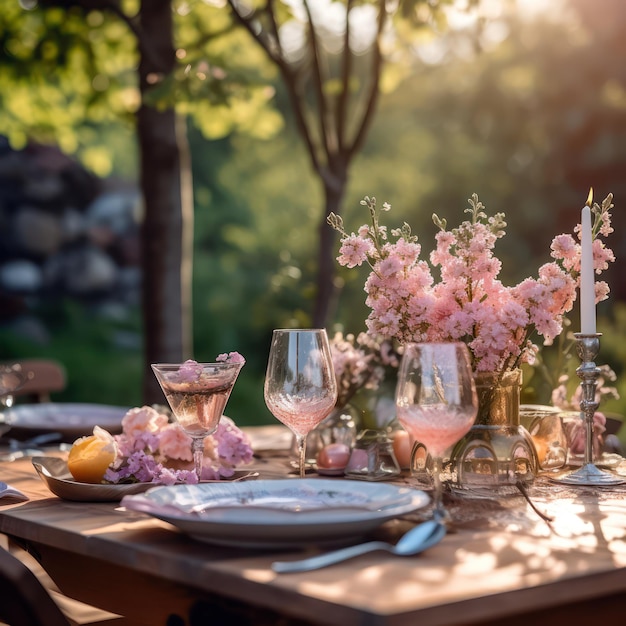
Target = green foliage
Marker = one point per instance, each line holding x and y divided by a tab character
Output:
58	71
255	225
613	353
68	73
98	369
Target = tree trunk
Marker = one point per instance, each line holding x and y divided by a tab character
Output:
166	247
334	192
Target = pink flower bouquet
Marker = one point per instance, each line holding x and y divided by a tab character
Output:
468	303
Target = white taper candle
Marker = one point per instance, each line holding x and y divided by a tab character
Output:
587	286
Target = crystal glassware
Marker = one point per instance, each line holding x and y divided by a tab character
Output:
197	394
300	387
12	378
436	401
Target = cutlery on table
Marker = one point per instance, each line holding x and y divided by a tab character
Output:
416	540
248	476
13	449
34	442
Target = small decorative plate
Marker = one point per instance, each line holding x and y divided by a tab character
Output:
57	477
271	513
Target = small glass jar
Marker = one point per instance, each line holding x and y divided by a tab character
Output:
372	457
545	425
339	427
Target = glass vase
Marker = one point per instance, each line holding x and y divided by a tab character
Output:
498	452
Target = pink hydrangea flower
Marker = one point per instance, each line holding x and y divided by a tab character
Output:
174	443
152	449
141	420
189	371
230	357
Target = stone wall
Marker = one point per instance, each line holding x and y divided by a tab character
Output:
64	233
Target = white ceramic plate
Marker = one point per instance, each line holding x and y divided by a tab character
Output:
72	420
57	477
277	513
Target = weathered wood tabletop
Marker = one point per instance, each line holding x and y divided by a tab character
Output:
501	563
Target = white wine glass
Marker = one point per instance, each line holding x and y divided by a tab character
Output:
197	394
436	401
300	387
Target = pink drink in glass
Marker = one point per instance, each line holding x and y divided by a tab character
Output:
436	401
198	407
300	386
300	415
436	426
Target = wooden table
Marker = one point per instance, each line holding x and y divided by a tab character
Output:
502	564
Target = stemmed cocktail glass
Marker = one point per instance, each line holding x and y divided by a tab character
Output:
436	401
300	386
197	394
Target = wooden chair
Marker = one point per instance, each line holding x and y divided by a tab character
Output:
29	597
48	376
24	601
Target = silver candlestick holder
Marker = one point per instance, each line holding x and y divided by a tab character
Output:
588	346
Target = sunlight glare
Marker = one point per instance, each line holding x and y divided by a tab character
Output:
329	18
535	8
362	27
292	40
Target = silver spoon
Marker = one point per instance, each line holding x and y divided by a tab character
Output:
416	540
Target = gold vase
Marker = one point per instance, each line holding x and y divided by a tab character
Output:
498	451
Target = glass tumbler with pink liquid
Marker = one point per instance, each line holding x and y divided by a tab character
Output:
300	387
436	401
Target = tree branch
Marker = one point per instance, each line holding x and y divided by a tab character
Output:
346	69
318	80
289	77
259	34
273	26
372	99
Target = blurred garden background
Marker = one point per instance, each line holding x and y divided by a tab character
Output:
522	102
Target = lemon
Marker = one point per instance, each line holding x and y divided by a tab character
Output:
90	456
